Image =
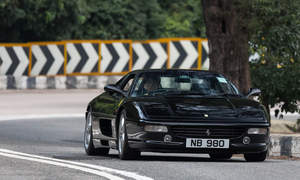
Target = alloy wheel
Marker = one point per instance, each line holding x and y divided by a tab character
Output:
121	134
88	131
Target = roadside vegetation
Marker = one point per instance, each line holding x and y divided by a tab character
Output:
295	128
52	20
270	29
277	42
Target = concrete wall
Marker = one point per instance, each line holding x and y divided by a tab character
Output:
57	82
285	145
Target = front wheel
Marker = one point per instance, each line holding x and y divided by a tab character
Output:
256	157
88	139
125	152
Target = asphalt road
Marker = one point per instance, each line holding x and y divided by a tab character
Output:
59	154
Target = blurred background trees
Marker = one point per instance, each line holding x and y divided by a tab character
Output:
40	20
275	39
272	28
228	36
267	29
51	20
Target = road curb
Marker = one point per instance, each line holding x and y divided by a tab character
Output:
285	145
57	82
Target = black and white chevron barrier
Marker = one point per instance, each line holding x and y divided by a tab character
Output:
47	59
96	57
14	59
115	57
184	54
82	57
149	55
205	58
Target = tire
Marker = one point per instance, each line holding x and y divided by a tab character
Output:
125	152
88	139
220	156
256	157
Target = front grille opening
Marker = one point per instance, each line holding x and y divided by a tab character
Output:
201	132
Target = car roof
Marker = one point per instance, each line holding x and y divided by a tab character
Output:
173	70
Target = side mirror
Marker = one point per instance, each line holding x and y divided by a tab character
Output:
253	92
109	87
113	88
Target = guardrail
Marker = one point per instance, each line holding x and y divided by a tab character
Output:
101	57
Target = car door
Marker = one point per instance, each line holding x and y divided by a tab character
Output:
105	108
125	86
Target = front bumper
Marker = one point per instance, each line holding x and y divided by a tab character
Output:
154	142
179	147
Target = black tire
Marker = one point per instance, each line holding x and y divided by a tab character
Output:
88	139
256	157
125	152
220	156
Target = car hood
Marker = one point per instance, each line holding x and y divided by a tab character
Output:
199	107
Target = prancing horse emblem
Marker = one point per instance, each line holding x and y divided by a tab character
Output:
208	132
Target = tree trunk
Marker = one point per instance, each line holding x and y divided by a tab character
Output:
227	33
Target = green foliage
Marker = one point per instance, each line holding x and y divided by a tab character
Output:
278	84
40	20
122	19
51	20
275	36
184	18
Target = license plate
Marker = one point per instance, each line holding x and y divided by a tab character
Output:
207	143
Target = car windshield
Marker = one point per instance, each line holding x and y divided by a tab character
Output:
182	82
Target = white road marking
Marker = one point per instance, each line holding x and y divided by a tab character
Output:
70	166
77	165
40	116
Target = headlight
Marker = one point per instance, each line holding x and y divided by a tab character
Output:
257	131
155	128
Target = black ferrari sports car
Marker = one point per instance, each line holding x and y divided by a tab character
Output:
176	111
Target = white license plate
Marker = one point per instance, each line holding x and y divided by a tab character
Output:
207	143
